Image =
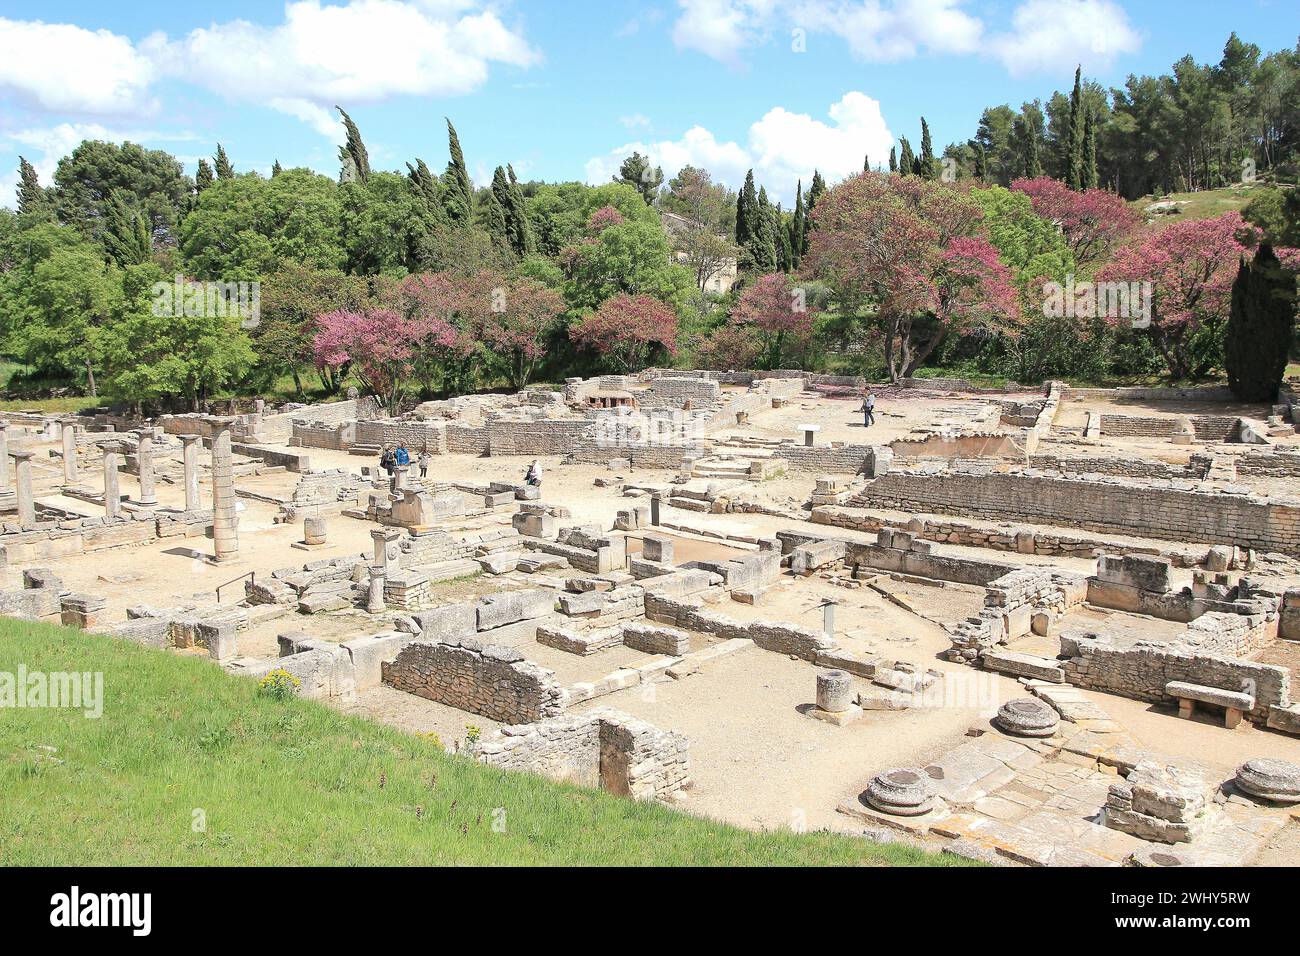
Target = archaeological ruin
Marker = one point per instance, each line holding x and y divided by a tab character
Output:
1034	627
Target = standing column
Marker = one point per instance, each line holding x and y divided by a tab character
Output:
190	455
375	597
382	538
26	503
112	494
71	472
399	478
225	516
4	456
144	464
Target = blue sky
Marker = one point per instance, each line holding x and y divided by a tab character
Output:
563	88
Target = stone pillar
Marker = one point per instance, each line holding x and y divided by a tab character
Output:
399	478
4	456
828	619
834	691
71	472
23	483
190	455
225	514
144	463
375	599
655	502
382	537
313	531
112	494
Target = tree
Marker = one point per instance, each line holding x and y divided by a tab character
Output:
777	309
458	191
203	176
515	320
513	216
906	161
126	232
925	160
632	257
1093	221
1089	174
798	227
1072	161
276	169
759	253
379	345
222	164
637	172
730	346
353	151
292	296
699	240
153	181
1191	266
746	211
1261	324
893	159
33	200
626	330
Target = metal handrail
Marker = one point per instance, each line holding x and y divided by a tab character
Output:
251	575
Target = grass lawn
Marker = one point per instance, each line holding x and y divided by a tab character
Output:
1201	205
295	782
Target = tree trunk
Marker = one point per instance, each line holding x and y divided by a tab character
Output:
90	380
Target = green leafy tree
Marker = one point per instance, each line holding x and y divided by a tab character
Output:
203	176
126	232
353	151
637	172
458	191
154	182
33	199
1261	323
222	164
925	160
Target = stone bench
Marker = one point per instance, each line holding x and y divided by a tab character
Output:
1234	703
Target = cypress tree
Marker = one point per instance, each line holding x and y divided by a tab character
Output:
1261	323
458	196
32	199
1030	163
222	163
354	148
906	161
519	210
925	161
277	169
126	232
1089	152
981	162
762	241
505	191
798	224
814	193
893	159
1073	164
866	163
495	223
203	177
746	212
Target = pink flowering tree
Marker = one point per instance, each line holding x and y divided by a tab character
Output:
514	320
436	300
379	345
1093	221
1190	266
730	346
602	219
627	329
895	245
776	307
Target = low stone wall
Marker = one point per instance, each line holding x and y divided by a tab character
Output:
1143	671
1243	520
604	748
1277	462
417	436
830	460
1211	428
485	679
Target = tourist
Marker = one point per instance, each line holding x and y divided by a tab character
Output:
387	460
533	476
424	460
868	410
402	457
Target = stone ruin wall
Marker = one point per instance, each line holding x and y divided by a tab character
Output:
1245	521
1211	428
495	682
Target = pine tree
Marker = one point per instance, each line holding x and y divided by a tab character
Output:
32	199
1261	323
925	161
1089	152
276	169
222	163
203	177
798	224
1073	160
636	171
354	148
458	194
893	159
906	161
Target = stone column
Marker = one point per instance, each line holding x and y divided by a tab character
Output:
399	478
225	515
382	537
4	456
23	481
71	472
375	599
190	455
112	494
144	464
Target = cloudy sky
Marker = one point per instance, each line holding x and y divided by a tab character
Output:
563	89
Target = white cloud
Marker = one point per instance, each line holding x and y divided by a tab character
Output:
61	67
635	121
782	147
1050	34
721	28
359	52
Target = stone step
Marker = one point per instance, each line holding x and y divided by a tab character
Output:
1023	665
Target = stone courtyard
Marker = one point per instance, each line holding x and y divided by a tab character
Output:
1040	627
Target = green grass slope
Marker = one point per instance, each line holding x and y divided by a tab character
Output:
295	783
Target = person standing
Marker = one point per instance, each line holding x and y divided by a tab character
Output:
868	410
424	460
